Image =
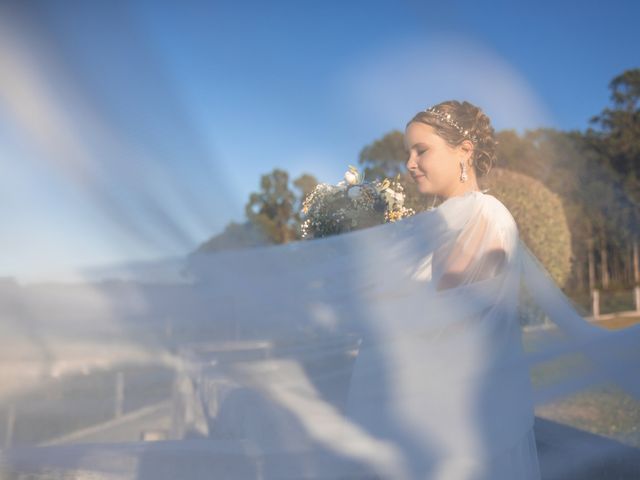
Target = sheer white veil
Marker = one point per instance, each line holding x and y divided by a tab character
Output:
385	350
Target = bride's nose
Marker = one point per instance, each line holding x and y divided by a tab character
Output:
410	162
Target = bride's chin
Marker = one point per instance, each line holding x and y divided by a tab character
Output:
425	189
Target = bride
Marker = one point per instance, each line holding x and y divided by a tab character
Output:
461	395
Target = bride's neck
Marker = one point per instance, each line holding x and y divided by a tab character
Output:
461	189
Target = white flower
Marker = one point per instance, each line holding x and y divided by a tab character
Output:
388	196
355	192
351	178
394	197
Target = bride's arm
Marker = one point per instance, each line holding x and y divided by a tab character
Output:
478	253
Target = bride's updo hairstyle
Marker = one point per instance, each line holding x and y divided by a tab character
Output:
471	119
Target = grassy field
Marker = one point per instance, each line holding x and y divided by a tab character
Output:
610	300
604	409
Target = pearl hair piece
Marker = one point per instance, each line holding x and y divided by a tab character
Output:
446	117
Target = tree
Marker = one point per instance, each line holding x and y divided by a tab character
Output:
272	208
273	214
275	209
618	138
616	144
599	210
384	157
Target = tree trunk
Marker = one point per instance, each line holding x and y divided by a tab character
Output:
592	265
580	276
636	262
617	273
630	278
604	264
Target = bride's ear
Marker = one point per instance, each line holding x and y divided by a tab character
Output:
466	147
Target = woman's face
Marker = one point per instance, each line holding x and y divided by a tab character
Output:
432	163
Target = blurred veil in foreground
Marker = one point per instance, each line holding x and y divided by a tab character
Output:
327	358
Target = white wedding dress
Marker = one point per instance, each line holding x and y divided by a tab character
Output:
391	352
458	401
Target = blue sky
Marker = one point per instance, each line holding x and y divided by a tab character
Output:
133	130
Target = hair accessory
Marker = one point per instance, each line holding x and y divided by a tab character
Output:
446	117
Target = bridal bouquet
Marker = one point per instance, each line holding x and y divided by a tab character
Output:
352	204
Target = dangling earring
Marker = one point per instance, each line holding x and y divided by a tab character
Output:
463	175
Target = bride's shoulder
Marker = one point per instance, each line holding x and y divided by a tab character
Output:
493	201
496	210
